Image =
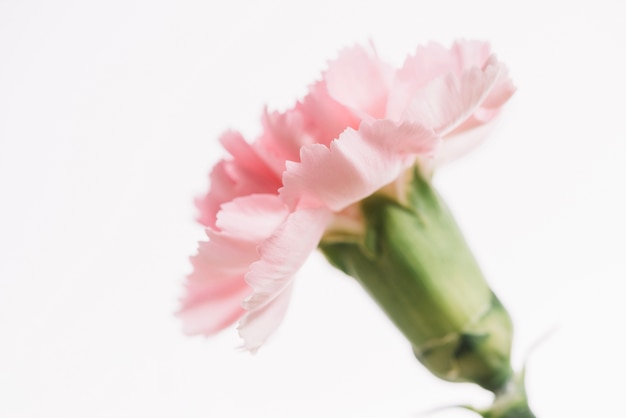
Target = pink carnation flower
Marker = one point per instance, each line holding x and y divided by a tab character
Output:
356	132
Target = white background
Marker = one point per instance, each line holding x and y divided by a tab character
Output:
109	115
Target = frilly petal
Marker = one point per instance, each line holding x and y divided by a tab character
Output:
281	256
449	100
216	286
257	325
324	117
428	63
456	97
472	133
245	174
253	218
359	80
489	108
210	306
458	145
469	53
356	165
283	136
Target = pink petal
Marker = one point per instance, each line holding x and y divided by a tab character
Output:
216	287
359	80
500	93
281	256
467	54
283	136
213	305
257	325
324	117
449	100
435	62
472	133
253	217
245	174
222	189
246	156
455	146
356	165
428	63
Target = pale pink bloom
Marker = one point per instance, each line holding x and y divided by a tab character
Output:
356	132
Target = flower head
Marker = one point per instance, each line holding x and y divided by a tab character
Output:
356	133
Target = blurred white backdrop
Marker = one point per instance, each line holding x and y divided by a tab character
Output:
109	118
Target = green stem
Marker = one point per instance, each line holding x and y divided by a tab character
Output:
510	402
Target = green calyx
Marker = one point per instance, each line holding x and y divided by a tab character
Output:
415	263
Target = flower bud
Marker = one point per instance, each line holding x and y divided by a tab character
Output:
415	263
